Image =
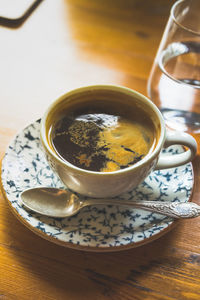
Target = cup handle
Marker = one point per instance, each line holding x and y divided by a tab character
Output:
177	138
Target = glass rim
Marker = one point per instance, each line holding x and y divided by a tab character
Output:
178	23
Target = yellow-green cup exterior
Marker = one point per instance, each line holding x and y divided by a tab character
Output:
111	184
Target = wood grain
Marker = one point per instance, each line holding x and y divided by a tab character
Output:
62	45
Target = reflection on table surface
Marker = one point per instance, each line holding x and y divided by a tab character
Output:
62	45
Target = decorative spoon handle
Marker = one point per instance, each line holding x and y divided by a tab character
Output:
175	209
172	209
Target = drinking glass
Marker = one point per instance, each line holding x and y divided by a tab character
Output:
174	82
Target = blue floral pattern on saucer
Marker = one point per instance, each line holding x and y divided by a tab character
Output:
94	228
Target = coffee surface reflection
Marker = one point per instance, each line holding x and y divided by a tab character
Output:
101	141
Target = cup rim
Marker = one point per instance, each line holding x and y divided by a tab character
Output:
150	156
174	6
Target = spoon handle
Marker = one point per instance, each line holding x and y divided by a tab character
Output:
172	209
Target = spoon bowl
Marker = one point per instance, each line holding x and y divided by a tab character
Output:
51	202
60	203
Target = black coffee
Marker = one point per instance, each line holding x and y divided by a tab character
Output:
97	140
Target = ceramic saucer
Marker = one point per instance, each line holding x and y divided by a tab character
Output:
96	228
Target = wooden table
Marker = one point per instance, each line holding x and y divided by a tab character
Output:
62	45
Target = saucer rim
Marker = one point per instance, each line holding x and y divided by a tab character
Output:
88	248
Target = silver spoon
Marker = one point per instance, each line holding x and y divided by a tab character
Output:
59	203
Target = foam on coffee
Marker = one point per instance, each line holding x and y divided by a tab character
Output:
94	138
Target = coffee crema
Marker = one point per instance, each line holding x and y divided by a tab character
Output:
96	139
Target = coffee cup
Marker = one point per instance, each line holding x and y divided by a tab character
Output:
104	140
